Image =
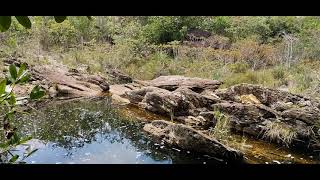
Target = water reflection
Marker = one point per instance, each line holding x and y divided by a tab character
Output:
92	131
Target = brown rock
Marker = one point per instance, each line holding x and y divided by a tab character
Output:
194	99
161	101
100	81
136	96
266	96
181	102
309	115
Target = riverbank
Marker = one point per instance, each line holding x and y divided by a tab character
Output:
260	114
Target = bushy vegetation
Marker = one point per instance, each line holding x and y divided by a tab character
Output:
278	52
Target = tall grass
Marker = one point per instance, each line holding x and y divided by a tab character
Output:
279	132
221	130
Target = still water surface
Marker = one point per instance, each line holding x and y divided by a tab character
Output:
94	132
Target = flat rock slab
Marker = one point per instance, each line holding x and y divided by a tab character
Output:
171	83
61	82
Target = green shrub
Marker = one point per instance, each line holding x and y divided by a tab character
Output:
256	55
63	34
217	25
238	67
248	77
83	28
304	81
279	73
163	29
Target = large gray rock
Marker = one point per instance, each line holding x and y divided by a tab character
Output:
171	83
247	113
67	82
181	102
187	138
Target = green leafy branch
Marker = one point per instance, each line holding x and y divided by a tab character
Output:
8	102
5	21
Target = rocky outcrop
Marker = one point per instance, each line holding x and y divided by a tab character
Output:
136	96
187	138
161	101
251	109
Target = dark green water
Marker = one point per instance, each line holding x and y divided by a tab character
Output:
93	131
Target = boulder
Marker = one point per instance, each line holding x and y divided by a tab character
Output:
194	99
136	96
69	82
187	138
164	102
118	76
100	81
